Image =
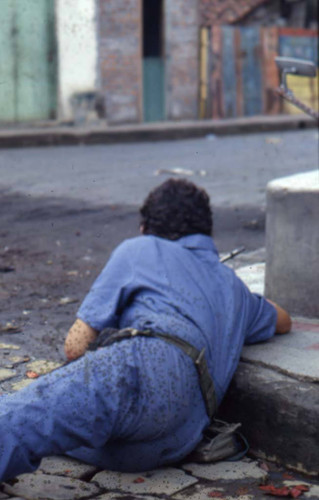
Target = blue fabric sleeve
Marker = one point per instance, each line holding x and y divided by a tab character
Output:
110	292
262	319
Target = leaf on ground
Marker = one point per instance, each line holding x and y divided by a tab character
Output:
286	475
270	489
298	490
139	480
31	374
285	491
215	494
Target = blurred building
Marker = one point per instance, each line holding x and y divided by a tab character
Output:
131	61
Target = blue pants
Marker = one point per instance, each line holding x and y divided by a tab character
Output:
132	406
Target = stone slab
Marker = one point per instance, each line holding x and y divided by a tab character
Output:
227	471
21	384
65	466
199	492
44	486
161	481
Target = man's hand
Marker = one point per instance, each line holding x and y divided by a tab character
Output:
78	339
283	324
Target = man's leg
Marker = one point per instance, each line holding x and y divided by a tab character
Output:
76	405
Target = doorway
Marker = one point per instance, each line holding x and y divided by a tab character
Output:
27	60
153	61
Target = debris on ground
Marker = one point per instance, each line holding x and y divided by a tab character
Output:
285	491
9	346
273	140
67	300
6	374
31	374
7	269
42	366
17	360
180	171
10	327
174	171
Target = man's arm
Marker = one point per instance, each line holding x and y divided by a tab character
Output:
283	324
78	339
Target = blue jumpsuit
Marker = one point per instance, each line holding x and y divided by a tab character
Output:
137	404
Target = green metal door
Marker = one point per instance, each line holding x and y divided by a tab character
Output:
153	89
27	60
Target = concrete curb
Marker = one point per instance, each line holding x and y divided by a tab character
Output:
279	415
70	135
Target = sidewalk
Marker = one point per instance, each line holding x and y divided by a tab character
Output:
275	394
46	135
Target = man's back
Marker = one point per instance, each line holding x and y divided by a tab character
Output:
180	287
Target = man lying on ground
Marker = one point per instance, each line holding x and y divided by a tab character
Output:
138	403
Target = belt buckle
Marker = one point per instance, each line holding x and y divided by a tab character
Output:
200	357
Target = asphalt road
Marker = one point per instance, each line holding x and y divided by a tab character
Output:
63	210
233	169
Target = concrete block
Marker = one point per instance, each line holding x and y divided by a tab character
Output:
160	481
279	416
292	243
40	486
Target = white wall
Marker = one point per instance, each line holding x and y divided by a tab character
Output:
77	50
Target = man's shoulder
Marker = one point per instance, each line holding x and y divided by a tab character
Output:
134	244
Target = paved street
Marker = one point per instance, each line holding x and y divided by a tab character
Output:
62	210
234	170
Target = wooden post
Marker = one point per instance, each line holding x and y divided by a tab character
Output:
216	74
269	43
239	79
203	70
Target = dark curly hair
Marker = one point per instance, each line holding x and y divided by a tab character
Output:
176	208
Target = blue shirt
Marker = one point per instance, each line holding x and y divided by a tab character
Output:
180	287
